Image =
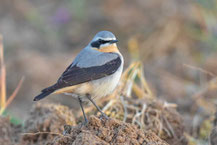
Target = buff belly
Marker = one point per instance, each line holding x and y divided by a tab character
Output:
101	87
105	86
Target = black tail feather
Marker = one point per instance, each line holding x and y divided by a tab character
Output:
42	95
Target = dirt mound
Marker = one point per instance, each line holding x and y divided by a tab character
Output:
165	121
8	131
102	131
213	134
45	122
158	116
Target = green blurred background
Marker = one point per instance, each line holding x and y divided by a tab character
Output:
175	39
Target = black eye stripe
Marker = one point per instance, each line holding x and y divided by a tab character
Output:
103	41
97	43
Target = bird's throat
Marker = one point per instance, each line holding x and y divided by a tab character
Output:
110	48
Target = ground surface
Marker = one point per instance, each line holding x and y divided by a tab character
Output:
105	132
55	125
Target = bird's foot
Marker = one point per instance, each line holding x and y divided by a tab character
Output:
85	123
67	129
103	115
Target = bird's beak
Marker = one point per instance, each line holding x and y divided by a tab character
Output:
113	41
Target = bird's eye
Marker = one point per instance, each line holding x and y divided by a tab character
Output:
99	42
96	44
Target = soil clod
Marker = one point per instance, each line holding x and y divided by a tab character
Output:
103	131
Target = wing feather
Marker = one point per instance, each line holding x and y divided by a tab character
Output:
74	75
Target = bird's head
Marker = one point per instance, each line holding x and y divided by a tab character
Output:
104	41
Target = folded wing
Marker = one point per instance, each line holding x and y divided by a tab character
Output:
74	75
80	73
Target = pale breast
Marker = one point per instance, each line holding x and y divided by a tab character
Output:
105	86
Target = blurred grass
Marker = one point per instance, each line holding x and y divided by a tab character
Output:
3	98
2	78
206	31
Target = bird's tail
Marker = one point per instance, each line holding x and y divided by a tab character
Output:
42	95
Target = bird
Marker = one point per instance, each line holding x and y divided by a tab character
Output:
94	73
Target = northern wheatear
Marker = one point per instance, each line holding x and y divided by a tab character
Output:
94	73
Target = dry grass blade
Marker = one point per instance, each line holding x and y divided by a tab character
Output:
138	91
200	69
3	101
126	72
39	133
130	77
3	76
199	95
145	85
11	98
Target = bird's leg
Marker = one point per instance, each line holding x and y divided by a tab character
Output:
85	117
103	114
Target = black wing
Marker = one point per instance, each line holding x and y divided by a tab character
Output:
76	75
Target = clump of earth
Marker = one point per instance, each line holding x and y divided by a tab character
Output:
54	124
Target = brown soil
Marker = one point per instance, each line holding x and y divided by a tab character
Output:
213	134
47	122
158	116
8	131
49	119
105	132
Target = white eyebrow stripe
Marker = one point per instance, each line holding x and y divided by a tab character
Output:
106	39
